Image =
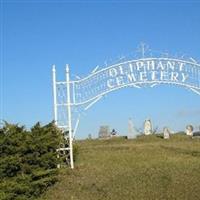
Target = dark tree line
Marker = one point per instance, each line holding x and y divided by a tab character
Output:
28	160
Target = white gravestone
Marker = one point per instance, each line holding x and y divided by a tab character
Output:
148	127
189	130
166	133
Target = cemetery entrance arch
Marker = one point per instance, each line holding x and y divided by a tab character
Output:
72	96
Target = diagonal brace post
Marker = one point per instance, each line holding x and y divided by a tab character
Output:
69	117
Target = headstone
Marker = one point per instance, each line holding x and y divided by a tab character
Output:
148	129
104	132
166	133
189	130
113	133
132	131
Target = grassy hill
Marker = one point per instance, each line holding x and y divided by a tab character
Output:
145	168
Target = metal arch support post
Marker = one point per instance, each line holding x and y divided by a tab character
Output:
76	126
54	94
69	117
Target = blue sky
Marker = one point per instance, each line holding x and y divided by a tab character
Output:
37	34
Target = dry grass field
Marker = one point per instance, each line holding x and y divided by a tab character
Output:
145	168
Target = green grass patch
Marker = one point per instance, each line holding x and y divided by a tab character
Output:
144	168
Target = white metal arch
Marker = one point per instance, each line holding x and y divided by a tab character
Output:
136	73
135	60
191	69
